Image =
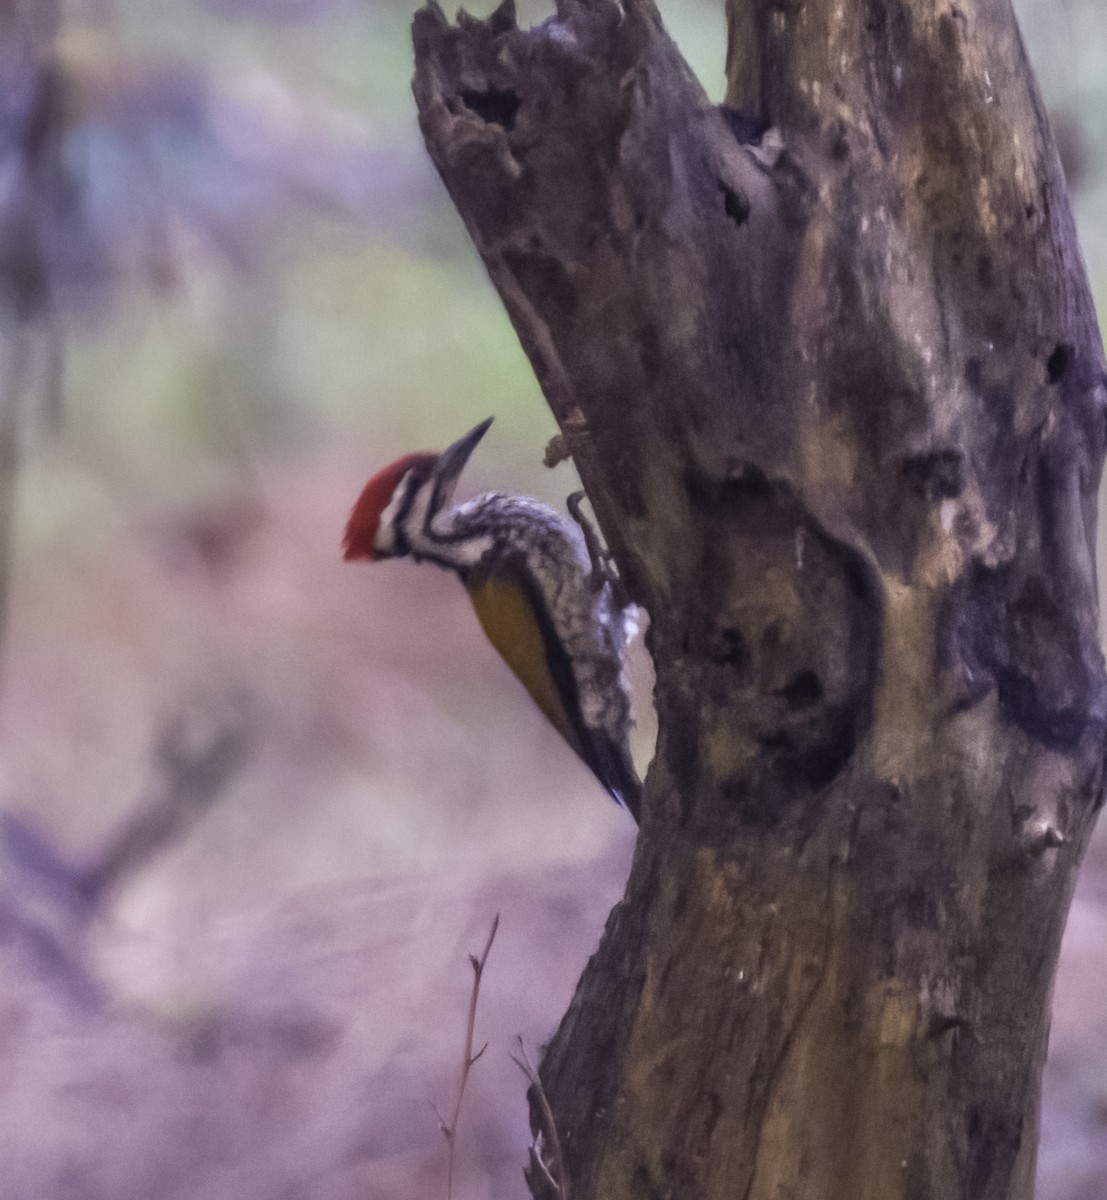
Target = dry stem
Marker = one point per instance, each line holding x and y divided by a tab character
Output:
450	1129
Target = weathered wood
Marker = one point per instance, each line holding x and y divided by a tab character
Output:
837	395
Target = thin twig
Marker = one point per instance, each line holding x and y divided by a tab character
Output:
558	1178
450	1130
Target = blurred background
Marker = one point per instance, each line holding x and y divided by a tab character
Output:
258	806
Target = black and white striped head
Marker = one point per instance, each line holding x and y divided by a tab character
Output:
396	507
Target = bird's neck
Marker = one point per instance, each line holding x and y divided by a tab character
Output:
454	538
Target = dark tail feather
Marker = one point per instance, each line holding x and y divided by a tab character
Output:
611	765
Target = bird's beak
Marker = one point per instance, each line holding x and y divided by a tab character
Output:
451	462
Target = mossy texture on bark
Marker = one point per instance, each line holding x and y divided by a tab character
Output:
827	361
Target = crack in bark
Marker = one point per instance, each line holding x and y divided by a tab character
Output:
777	1068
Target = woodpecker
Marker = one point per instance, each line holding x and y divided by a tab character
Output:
540	586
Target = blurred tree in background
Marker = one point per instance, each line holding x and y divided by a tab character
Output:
231	286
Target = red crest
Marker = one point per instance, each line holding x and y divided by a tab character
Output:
365	518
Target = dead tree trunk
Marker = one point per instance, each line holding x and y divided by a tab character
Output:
837	394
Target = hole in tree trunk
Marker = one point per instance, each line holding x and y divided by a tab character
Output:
1060	362
802	691
937	476
493	105
737	206
746	127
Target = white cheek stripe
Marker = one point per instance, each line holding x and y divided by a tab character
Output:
440	538
385	540
416	518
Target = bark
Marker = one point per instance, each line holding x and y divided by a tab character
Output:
837	396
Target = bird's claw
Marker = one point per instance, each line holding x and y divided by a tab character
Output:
604	570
